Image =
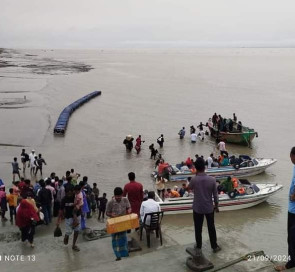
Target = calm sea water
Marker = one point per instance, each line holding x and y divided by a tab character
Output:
150	92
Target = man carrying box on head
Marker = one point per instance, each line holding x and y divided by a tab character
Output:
119	206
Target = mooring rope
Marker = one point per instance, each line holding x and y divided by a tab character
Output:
243	258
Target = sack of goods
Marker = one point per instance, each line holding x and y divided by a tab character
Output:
122	223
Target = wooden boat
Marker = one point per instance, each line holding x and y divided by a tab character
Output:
250	167
255	194
243	137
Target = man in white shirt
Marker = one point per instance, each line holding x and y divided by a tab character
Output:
210	161
32	156
149	206
202	135
194	137
221	146
222	149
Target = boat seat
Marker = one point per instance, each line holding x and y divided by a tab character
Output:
154	224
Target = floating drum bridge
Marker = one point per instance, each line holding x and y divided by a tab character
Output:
63	119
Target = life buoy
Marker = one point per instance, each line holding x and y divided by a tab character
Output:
241	191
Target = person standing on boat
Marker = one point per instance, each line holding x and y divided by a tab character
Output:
230	125
220	123
204	188
239	126
160	140
214	119
291	221
134	192
235	118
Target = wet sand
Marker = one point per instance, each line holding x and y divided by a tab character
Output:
37	65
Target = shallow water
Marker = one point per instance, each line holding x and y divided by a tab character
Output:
150	92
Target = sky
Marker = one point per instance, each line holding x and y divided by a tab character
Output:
146	23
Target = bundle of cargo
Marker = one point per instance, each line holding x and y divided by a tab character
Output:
122	223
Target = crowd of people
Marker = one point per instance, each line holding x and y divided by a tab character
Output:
74	202
128	142
225	124
193	134
64	198
164	169
71	200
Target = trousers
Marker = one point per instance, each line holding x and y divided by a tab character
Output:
198	222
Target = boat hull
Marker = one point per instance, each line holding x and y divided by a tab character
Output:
223	172
242	138
184	205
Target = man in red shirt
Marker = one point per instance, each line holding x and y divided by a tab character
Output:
134	192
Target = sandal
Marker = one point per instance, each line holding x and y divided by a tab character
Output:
75	248
280	268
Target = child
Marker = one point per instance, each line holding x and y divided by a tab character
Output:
15	169
12	200
102	206
78	203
